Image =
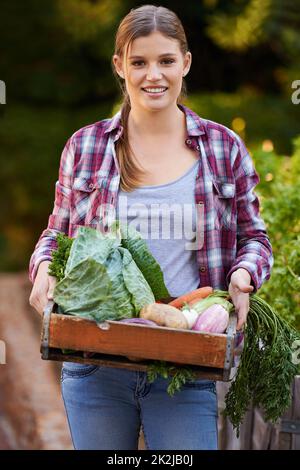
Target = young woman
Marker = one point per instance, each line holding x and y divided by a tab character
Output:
156	160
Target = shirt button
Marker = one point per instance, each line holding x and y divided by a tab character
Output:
91	186
188	142
198	147
202	269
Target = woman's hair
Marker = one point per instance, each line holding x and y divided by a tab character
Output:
140	22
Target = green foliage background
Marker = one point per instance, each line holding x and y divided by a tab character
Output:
280	198
55	61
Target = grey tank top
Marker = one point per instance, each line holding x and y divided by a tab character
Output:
165	215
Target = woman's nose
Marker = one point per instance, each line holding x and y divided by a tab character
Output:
153	73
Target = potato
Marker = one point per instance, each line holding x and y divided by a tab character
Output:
164	315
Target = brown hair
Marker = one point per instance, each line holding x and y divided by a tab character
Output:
141	21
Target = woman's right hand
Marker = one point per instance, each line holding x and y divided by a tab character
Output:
43	288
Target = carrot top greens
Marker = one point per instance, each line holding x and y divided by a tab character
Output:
267	365
178	375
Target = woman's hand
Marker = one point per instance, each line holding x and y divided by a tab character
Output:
239	290
43	288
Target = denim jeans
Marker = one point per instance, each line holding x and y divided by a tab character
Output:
106	406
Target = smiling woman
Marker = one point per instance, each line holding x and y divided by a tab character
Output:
149	64
146	69
163	159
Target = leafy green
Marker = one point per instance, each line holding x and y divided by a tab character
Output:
266	369
60	256
279	191
133	241
207	302
135	282
86	291
124	307
91	243
101	279
177	375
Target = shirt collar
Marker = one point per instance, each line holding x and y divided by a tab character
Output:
195	125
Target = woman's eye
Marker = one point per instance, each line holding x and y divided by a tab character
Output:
139	62
169	61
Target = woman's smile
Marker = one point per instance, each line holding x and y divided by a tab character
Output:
155	92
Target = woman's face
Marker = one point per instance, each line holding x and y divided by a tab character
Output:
153	71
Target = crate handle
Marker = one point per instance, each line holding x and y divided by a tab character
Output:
45	329
230	333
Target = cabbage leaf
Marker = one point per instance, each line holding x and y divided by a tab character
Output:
102	279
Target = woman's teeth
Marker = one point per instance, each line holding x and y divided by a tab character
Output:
154	90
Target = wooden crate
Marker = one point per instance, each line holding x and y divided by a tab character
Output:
114	343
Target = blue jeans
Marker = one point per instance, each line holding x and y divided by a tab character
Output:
106	406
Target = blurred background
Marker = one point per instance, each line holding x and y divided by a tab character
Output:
55	62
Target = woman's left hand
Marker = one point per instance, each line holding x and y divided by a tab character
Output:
239	290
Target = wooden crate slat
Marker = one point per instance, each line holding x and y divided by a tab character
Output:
121	362
180	346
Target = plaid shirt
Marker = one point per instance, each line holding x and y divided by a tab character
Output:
230	231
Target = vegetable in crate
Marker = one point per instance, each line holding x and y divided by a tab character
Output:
138	321
60	256
210	314
208	301
133	241
214	319
101	278
164	315
194	295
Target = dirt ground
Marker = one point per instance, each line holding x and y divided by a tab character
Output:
32	414
31	408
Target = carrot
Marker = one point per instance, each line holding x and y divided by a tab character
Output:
196	294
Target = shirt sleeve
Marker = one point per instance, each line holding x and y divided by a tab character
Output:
254	250
59	219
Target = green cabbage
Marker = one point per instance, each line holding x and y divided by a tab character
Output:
109	276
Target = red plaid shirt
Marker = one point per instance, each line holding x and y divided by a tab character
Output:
231	233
